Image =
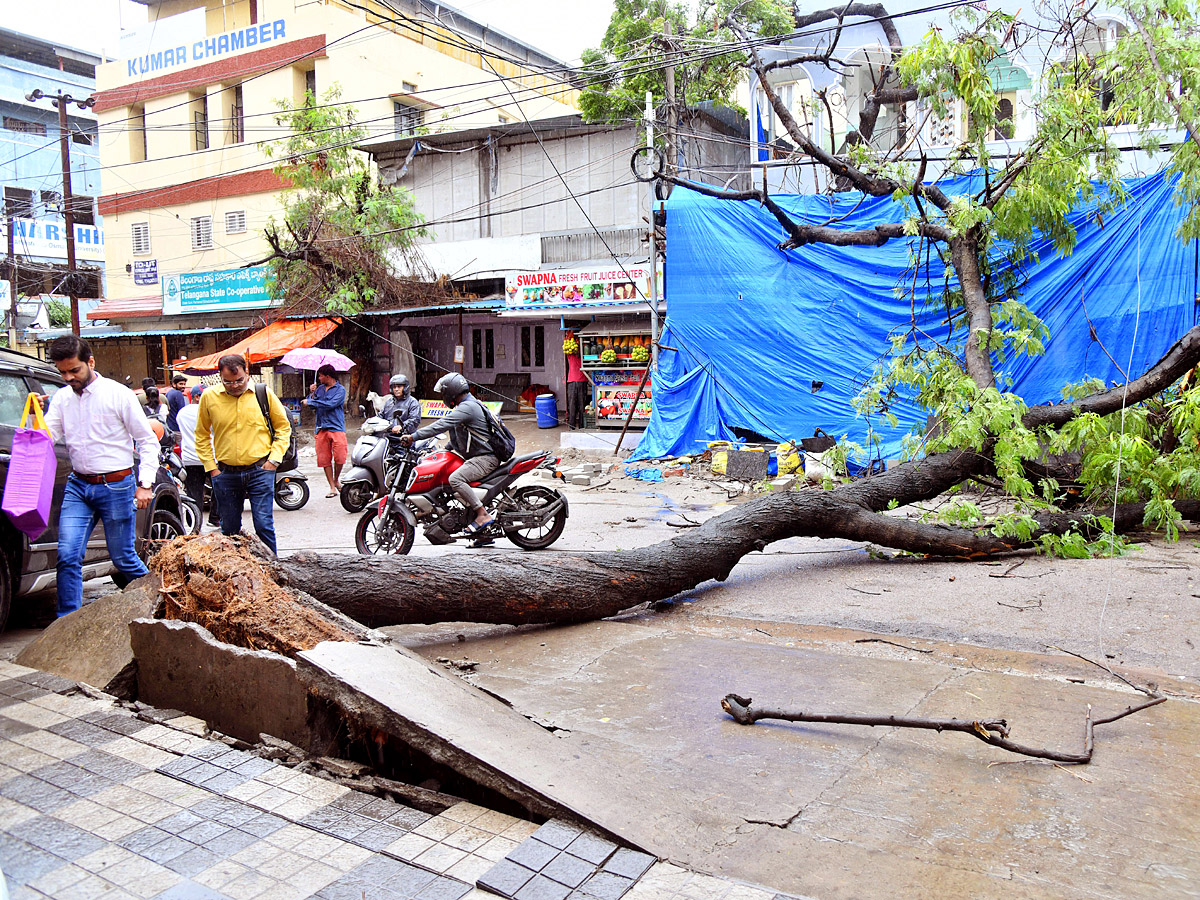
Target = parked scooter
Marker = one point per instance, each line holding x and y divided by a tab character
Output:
291	489
418	491
367	474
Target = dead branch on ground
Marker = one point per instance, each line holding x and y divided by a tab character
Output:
993	732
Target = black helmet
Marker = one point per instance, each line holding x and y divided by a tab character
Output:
399	381
451	386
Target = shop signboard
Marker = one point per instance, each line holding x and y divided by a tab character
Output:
436	409
572	288
48	237
174	42
145	271
196	292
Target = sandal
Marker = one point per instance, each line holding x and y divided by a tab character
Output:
476	527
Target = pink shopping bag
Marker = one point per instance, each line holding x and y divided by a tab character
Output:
29	487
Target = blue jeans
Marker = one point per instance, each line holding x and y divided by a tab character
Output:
230	490
83	504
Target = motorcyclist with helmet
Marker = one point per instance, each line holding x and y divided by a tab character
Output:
402	409
469	437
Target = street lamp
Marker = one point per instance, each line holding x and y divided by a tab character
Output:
62	102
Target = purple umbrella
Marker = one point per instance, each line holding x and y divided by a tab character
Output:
314	358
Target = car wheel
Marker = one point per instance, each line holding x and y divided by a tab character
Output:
6	589
164	526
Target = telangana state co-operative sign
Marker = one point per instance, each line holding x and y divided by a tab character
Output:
197	292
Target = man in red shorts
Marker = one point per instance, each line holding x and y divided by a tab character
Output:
327	398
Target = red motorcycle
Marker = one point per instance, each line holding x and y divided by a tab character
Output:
418	492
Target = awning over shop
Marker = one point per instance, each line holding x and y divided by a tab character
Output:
127	308
264	345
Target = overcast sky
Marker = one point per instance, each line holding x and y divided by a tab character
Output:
562	28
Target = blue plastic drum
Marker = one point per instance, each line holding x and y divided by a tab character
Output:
546	407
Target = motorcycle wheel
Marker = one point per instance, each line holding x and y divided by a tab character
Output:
291	494
375	538
535	497
189	514
356	495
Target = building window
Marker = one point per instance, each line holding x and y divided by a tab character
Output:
83	209
13	124
18	202
140	232
83	137
237	117
310	86
235	221
483	348
407	119
199	108
533	346
408	87
201	228
137	134
51	203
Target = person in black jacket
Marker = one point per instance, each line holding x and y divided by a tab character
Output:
403	410
470	437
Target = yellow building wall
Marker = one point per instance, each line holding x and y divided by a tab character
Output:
368	61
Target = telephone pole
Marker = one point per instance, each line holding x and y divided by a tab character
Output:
62	102
669	78
12	287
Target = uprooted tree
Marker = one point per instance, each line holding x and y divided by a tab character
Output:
1151	422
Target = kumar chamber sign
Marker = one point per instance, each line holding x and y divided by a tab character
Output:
202	292
181	40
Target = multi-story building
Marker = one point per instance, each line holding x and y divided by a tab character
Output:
547	224
187	188
31	177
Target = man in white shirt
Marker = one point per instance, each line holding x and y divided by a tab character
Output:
100	420
194	474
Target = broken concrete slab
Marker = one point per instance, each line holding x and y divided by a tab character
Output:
236	691
808	809
92	644
456	725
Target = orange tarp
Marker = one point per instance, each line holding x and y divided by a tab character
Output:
264	345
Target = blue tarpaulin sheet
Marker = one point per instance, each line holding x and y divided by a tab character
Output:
780	342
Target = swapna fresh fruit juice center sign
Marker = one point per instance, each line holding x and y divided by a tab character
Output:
195	292
565	288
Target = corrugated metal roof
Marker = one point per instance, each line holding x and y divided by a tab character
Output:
110	331
127	307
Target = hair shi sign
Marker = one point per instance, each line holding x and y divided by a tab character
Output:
570	288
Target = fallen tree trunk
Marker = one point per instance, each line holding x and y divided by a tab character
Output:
560	588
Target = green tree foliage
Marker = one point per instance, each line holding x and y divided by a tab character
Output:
1148	452
341	233
629	60
1155	73
59	312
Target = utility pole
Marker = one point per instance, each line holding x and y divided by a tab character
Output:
653	255
669	77
62	102
12	286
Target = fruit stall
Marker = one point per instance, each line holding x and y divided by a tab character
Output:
614	361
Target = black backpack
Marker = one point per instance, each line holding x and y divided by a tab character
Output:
500	439
289	456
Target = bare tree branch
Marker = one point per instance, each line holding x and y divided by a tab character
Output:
991	731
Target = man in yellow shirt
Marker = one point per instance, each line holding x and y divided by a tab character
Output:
240	454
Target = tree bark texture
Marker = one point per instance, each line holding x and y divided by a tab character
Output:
552	587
